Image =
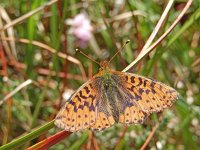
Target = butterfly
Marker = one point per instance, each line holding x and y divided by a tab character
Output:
111	97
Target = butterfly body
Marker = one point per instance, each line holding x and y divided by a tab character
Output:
108	87
114	97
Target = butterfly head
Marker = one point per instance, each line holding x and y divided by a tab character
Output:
104	65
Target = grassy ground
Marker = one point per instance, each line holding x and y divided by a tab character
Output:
39	68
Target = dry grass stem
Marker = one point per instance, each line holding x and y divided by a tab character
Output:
27	15
52	50
151	48
17	89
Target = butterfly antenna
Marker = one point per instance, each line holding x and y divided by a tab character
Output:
119	50
77	50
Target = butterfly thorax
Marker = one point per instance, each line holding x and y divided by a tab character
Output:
104	70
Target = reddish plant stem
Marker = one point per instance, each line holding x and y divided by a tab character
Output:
47	143
121	137
150	137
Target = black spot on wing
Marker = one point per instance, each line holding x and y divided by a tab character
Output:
153	91
86	104
81	107
145	83
82	96
152	85
79	99
91	108
126	78
141	91
138	97
135	96
132	79
86	89
147	91
140	81
92	97
72	103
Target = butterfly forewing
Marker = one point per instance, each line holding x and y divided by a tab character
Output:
149	95
80	111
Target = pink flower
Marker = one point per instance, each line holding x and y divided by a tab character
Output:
81	29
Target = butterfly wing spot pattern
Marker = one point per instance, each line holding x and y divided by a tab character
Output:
133	115
152	96
102	122
114	97
78	113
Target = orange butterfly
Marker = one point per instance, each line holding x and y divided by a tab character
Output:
114	97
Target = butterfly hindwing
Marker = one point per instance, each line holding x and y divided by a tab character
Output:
133	114
103	121
105	118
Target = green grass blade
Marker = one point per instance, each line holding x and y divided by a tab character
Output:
24	139
191	20
80	142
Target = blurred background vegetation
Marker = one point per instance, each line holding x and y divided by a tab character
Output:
41	47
